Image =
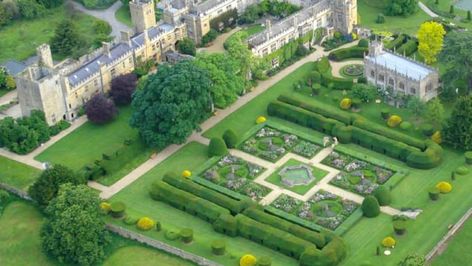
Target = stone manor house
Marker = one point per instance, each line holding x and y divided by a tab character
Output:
61	89
400	74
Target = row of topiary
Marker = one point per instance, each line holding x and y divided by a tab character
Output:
417	154
322	75
250	221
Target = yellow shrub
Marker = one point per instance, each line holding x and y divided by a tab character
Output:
105	206
261	119
145	223
388	242
247	260
186	174
436	137
444	187
394	121
345	103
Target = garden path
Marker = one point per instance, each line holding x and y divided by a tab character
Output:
427	10
336	66
218	44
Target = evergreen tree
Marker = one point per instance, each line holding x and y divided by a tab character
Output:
66	40
458	131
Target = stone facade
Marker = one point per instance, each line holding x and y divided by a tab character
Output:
399	74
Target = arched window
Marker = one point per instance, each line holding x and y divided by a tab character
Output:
381	78
413	90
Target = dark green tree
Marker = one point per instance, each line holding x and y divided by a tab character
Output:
451	9
66	40
5	16
74	232
370	207
51	3
187	46
458	131
456	54
230	138
401	7
46	187
172	104
217	147
30	9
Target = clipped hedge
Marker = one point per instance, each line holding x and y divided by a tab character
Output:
397	42
235	206
314	237
185	201
226	224
348	53
217	147
383	196
408	48
370	207
230	138
186	235
468	157
218	247
117	209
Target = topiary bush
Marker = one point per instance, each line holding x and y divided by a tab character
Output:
117	209
345	103
158	226
186	234
444	187
434	193
394	121
462	170
388	242
383	196
261	119
145	224
385	113
171	235
468	157
105	207
363	43
4	198
230	138
264	261
427	130
399	227
370	207
247	260
186	174
436	137
218	247
405	125
129	220
217	147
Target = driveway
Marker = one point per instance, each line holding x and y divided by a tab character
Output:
107	15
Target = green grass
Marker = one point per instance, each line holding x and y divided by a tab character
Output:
139	203
20	239
368	14
139	255
16	174
275	178
123	15
20	39
444	6
458	248
89	142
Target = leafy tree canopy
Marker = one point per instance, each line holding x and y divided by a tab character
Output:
430	37
122	88
100	109
187	46
458	131
402	7
172	103
66	40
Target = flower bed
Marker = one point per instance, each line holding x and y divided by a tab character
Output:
271	144
358	176
236	174
324	208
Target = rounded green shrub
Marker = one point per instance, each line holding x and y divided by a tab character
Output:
385	113
434	193
171	235
230	138
264	261
363	43
129	220
468	157
427	130
217	147
186	234
4	197
356	103
405	125
117	209
399	227
370	207
218	247
383	196
462	170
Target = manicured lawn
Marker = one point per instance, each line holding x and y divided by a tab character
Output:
89	142
123	15
368	11
16	174
139	203
20	239
276	179
458	249
139	255
20	39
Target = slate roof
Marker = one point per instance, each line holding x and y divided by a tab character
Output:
13	67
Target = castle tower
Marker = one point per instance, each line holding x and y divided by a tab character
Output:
142	14
344	14
44	55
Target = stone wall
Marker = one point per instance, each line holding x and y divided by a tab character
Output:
20	193
161	246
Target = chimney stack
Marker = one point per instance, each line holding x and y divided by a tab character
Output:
125	37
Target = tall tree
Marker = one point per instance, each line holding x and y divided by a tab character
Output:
457	55
172	104
51	3
74	232
187	46
122	88
430	37
458	131
435	113
7	82
401	7
237	49
46	187
416	106
100	109
66	40
227	85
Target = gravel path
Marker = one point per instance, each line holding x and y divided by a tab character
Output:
427	10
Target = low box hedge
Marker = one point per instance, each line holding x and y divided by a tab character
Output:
408	48
397	42
348	53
